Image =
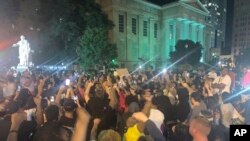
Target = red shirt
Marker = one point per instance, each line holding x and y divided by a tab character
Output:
246	79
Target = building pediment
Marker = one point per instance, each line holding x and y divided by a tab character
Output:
196	4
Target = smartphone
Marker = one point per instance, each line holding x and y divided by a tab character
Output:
18	88
30	114
75	98
52	99
67	82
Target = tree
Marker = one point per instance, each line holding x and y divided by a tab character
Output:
60	26
187	52
63	24
95	49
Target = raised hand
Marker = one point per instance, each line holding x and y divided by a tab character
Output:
16	120
140	116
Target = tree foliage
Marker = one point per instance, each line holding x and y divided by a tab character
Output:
95	49
66	25
61	23
187	51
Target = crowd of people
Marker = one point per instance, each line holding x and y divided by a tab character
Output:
178	105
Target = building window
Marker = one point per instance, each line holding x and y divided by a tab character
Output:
145	28
155	30
121	23
134	26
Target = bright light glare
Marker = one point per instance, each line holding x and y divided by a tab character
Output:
170	66
142	65
237	94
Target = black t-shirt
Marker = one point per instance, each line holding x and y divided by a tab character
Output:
99	108
4	128
131	98
26	130
50	92
163	104
96	107
50	131
68	122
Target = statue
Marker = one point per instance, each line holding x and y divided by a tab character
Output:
24	51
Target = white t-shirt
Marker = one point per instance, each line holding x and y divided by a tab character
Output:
224	80
157	117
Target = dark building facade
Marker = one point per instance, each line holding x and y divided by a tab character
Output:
217	18
241	26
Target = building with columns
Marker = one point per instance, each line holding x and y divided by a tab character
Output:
148	31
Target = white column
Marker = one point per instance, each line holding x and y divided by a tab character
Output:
178	29
172	34
194	32
183	27
201	40
201	34
186	30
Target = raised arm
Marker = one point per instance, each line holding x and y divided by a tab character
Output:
81	125
16	120
151	127
86	93
39	112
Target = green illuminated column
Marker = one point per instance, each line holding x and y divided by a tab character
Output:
152	39
186	29
169	38
164	40
178	29
181	28
201	34
194	31
201	40
173	38
172	35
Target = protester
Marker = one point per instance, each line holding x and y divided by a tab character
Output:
199	129
197	106
96	106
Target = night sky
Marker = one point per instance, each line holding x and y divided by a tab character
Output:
161	2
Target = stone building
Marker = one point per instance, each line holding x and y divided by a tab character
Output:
146	31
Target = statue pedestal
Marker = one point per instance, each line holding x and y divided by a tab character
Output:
21	68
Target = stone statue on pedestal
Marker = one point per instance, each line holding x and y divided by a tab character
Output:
24	52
